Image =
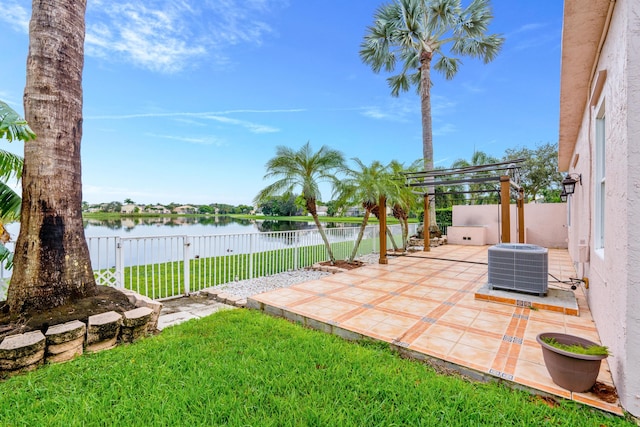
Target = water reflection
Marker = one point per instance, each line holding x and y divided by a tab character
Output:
162	224
266	226
128	224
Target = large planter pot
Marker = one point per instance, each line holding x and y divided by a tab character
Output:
575	372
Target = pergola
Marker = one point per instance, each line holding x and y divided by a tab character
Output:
505	173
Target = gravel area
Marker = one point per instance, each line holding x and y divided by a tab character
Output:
247	288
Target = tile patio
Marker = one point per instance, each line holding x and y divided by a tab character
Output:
425	305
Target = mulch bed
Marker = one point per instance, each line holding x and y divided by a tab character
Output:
106	299
604	392
344	264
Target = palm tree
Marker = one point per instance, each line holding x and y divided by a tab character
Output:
416	33
400	197
12	127
479	158
364	185
51	260
303	170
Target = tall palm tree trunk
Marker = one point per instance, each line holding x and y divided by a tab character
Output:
427	126
52	265
354	252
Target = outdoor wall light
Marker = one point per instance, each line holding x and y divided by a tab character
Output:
569	183
563	195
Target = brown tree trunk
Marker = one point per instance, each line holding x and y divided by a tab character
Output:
51	261
312	209
427	128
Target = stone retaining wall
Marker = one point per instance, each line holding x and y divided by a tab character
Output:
25	352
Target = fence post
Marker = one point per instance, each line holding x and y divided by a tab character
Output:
119	273
296	252
187	264
251	255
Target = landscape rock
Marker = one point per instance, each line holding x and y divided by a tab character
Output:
103	330
155	306
65	341
134	323
22	352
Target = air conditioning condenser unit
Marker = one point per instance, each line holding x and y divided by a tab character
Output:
519	267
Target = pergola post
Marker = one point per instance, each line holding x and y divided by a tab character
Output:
505	187
520	205
382	205
426	231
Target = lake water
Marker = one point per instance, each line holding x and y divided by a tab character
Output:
199	227
194	226
190	226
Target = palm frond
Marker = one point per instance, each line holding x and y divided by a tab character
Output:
10	204
12	126
10	165
447	66
6	257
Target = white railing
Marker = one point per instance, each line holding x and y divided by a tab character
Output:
170	266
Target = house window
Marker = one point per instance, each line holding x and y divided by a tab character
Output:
600	179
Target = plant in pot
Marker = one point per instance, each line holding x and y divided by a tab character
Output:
572	362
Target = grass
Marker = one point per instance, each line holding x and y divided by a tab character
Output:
167	279
592	350
242	367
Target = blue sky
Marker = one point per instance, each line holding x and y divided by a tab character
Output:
186	100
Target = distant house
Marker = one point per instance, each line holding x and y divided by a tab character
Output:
354	211
130	208
157	209
598	147
185	209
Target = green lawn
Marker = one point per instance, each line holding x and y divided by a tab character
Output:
167	279
242	367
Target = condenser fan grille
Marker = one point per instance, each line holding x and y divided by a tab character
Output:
519	267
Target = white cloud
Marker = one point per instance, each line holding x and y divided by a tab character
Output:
191	114
444	129
408	109
252	127
163	35
540	36
396	110
220	117
204	140
473	88
16	14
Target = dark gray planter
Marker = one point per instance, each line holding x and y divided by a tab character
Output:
575	372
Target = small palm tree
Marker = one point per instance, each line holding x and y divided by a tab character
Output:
12	127
416	32
479	158
400	197
364	185
303	170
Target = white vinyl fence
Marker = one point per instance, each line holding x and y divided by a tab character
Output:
169	266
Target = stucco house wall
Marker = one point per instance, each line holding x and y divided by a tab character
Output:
545	223
612	84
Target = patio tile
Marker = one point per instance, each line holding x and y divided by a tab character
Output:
428	306
432	345
473	357
409	305
489	343
356	294
318	286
